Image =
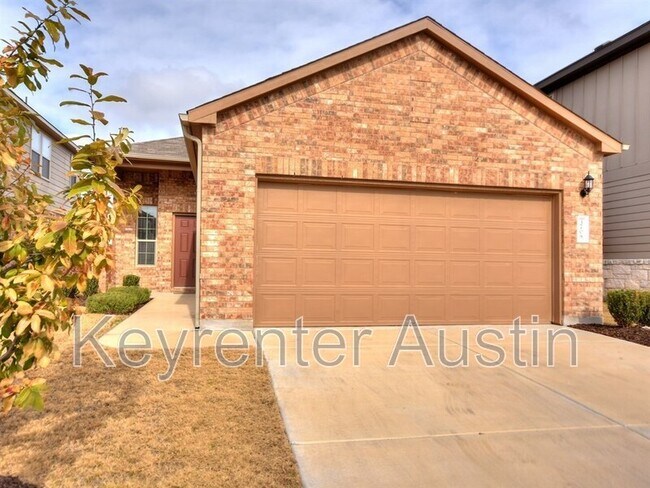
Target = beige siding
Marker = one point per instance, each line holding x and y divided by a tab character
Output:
59	169
616	98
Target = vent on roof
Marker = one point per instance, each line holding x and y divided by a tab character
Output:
602	46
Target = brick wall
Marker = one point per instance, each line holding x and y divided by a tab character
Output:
412	111
172	192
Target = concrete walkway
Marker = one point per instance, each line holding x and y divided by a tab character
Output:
413	425
172	316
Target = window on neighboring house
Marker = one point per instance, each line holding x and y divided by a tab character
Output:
73	178
146	235
41	153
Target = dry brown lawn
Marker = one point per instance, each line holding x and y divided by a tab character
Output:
118	427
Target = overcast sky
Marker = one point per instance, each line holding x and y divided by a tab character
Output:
166	56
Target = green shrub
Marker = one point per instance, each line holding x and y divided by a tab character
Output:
113	303
92	287
644	316
131	280
118	300
625	306
142	294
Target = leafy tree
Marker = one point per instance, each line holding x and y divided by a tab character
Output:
43	255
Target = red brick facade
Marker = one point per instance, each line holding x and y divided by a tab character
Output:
172	192
412	111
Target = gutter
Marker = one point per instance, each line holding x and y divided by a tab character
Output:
199	159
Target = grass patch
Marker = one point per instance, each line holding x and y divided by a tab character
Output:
120	427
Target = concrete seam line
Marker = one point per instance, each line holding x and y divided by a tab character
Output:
457	434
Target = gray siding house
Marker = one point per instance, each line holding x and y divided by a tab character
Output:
610	87
50	161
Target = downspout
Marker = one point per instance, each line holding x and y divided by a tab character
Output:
199	158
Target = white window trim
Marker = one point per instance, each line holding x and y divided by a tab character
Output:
138	240
42	139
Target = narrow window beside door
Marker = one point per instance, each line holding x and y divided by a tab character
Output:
146	235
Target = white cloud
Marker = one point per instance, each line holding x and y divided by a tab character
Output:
168	56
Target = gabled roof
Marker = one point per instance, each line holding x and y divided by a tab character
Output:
603	54
172	149
207	113
42	123
159	154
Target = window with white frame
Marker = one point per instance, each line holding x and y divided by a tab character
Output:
41	153
146	235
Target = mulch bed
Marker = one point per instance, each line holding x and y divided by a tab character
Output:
635	334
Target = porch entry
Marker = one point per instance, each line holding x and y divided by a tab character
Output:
184	269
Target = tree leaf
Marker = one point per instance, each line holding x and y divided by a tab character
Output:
70	242
31	397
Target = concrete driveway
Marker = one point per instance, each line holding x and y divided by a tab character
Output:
415	425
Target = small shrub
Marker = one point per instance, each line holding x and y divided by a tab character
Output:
625	306
131	280
142	294
92	287
118	300
644	316
113	303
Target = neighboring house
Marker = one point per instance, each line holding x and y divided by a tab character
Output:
610	87
50	161
409	173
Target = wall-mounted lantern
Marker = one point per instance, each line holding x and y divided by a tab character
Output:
587	185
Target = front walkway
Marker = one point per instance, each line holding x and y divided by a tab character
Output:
170	315
413	425
169	312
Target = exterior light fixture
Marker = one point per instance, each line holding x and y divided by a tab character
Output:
588	185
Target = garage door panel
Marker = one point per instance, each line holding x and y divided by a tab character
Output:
319	271
277	234
429	205
498	273
465	273
532	210
532	241
498	209
394	203
368	255
278	271
319	309
319	235
276	309
358	237
430	308
430	238
356	309
429	272
394	237
320	200
498	309
391	309
464	206
357	202
281	198
464	309
357	272
465	239
498	241
393	272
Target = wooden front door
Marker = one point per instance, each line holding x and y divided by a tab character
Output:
184	251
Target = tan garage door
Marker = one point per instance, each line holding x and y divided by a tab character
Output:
368	255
